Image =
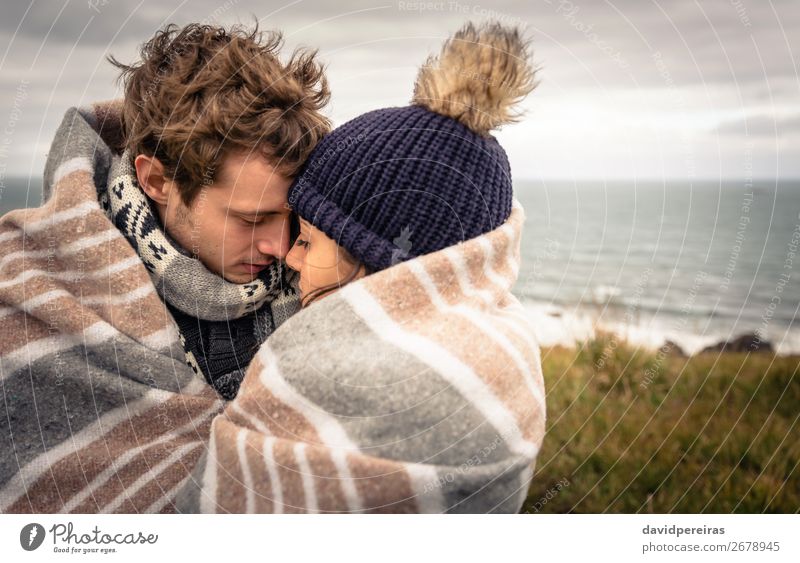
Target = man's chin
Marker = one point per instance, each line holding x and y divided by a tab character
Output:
234	275
239	278
242	273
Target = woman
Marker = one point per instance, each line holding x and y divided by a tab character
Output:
410	381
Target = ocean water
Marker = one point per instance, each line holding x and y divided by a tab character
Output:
695	263
17	193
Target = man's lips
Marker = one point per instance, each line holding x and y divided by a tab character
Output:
255	268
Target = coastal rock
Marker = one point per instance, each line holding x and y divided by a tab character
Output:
749	342
671	348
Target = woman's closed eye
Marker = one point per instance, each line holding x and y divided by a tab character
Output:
301	242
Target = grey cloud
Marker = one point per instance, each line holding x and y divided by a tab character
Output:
97	20
374	47
762	126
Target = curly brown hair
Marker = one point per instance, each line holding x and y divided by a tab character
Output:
201	92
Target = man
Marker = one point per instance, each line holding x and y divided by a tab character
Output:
215	127
159	243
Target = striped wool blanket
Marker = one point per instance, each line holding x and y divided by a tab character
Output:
416	389
100	411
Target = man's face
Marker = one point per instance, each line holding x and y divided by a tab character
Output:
237	225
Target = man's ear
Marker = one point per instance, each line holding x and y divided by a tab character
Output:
150	173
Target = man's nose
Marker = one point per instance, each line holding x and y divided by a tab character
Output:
274	240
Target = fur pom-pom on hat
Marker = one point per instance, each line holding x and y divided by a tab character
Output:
478	78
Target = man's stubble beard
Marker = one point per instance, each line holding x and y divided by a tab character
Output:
184	223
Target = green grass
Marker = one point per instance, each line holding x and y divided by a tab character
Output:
630	430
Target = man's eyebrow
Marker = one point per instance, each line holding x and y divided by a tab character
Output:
252	212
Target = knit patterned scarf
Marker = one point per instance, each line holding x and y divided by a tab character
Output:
182	280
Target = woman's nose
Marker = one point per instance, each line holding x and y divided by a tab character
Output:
293	259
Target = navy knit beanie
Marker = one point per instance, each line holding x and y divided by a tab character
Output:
401	182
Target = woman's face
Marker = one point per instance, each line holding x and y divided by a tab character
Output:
320	261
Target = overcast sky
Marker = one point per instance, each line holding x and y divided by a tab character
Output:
633	89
